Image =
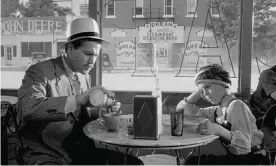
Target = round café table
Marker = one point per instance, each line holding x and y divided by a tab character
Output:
189	139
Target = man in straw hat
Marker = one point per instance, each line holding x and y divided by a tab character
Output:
52	104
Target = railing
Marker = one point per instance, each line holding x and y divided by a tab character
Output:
257	61
153	13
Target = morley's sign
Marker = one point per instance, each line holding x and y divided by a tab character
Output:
156	32
33	26
126	53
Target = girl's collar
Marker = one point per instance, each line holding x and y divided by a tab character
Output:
225	100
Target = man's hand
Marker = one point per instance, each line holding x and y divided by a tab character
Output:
116	107
208	128
114	110
83	99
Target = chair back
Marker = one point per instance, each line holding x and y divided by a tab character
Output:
269	119
9	127
246	96
269	129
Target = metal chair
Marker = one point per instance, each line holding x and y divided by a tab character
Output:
269	129
246	96
9	126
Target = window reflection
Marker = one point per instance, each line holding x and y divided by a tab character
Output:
264	33
176	36
177	46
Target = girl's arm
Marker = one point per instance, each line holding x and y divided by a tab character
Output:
241	119
188	105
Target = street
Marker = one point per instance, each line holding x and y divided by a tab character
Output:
124	81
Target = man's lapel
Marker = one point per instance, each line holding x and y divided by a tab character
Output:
62	81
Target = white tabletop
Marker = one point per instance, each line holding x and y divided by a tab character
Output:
11	99
190	137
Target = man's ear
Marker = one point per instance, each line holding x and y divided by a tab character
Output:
69	48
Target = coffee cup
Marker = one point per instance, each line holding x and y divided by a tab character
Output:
112	123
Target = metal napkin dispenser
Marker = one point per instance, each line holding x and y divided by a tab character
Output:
147	117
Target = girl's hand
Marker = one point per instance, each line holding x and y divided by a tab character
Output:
208	128
180	106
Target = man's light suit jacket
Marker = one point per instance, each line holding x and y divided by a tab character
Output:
41	105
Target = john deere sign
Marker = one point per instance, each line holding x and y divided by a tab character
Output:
33	25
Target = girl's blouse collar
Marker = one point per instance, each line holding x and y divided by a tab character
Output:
226	100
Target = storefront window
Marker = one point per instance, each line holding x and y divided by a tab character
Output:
29	47
264	39
173	50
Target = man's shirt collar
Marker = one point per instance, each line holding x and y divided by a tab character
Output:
68	71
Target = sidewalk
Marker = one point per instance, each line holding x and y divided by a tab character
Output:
14	68
115	69
125	69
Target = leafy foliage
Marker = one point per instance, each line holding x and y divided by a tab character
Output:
228	25
38	8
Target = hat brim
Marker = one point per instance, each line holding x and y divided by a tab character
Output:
96	39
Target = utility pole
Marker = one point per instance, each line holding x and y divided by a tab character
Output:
95	12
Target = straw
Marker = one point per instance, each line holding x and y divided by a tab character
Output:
156	70
109	109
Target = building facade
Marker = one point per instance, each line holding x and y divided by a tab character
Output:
163	33
22	37
144	34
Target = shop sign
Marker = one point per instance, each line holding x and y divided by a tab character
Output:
33	26
126	53
194	50
156	32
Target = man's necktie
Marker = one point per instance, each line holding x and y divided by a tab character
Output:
76	84
77	87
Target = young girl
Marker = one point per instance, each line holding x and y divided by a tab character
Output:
230	119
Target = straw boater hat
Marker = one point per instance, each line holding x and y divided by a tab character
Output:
83	28
213	73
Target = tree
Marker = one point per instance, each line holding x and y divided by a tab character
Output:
39	8
8	7
227	26
264	30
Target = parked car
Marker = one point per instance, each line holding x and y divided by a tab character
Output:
38	57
